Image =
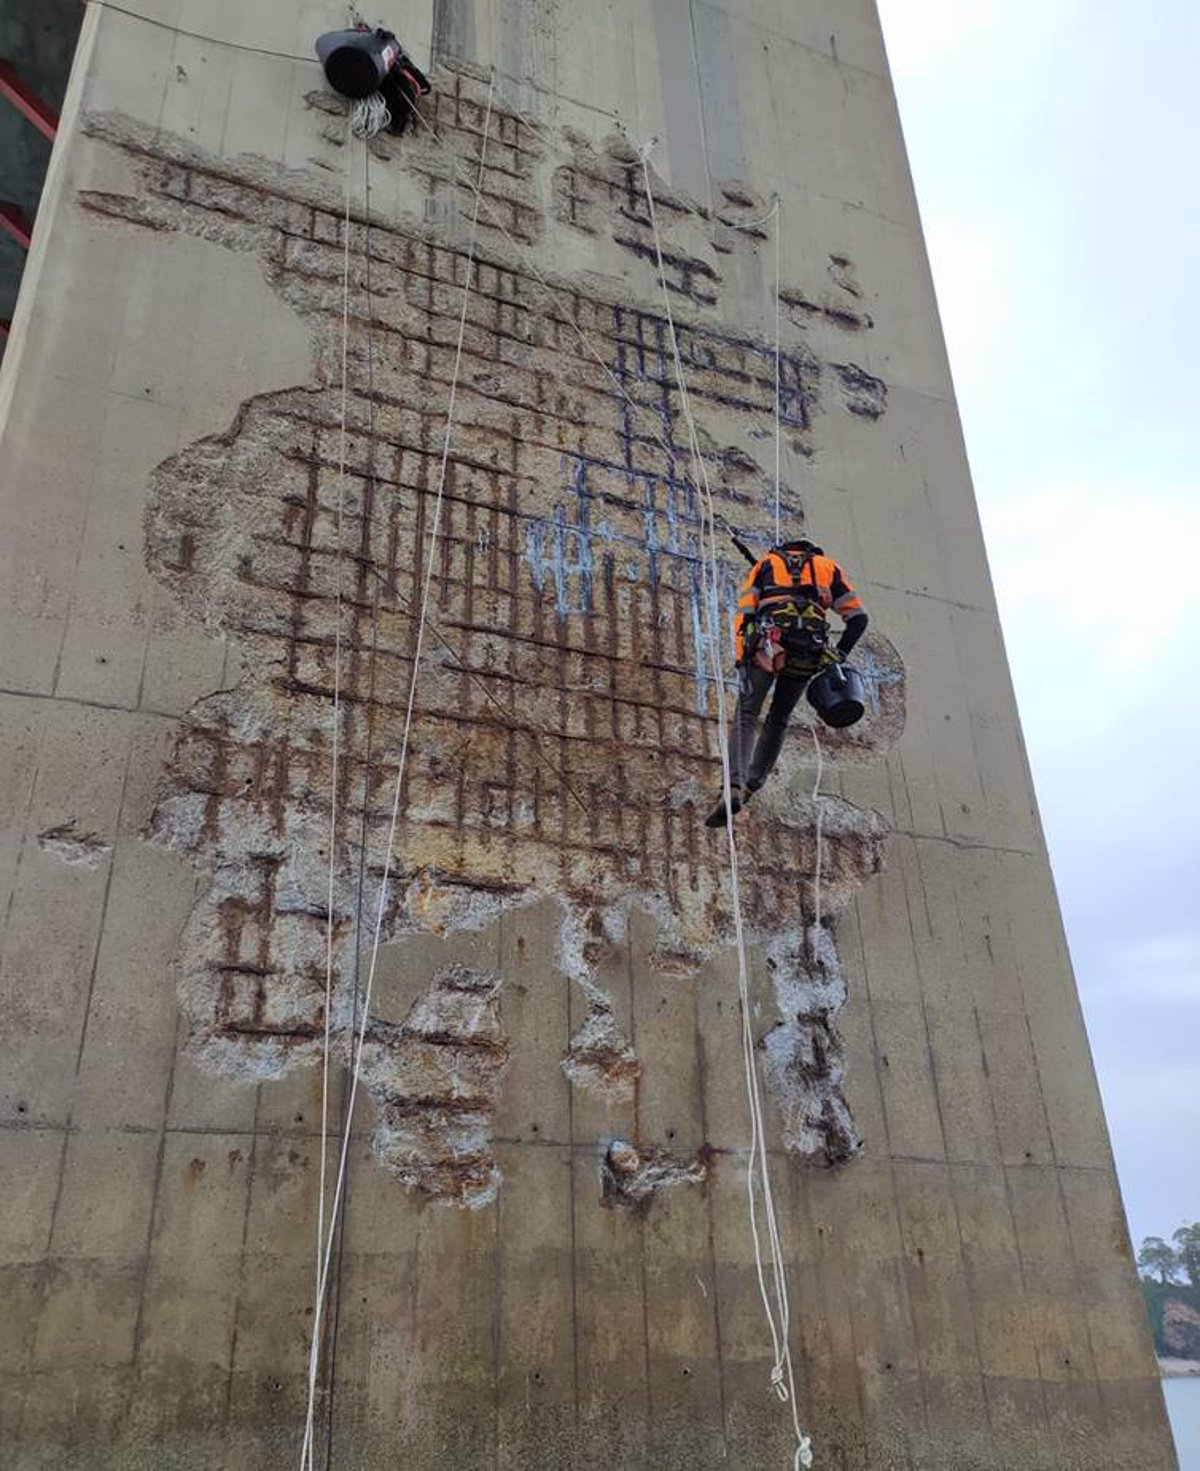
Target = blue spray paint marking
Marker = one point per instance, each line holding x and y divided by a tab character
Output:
570	552
876	676
561	547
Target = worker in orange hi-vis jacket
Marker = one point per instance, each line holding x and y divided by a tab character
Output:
781	639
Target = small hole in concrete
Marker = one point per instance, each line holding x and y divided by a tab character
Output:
686	1372
670	1133
534	1127
888	1365
20	1108
537	1376
299	1118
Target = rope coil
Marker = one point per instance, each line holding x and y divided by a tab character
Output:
370	115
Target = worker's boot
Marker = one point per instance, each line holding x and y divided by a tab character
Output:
738	797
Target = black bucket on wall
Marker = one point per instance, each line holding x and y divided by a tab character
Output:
356	62
838	695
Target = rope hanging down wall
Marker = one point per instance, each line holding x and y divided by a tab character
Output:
758	1178
322	1286
775	1302
758	1174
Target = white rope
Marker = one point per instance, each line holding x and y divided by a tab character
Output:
778	1312
820	816
782	1373
755	224
335	741
773	214
377	939
370	115
778	436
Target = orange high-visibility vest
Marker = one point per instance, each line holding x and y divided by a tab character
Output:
771	582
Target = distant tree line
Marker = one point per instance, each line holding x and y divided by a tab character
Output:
1168	1263
1172	1304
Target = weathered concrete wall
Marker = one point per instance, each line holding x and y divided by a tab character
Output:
545	1258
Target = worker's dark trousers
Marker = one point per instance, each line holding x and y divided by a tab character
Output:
751	770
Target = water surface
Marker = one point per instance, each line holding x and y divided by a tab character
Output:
1183	1408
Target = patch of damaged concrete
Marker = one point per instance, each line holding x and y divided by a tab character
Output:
435	1081
862	393
564	742
803	1053
68	845
630	1177
802	309
600	1057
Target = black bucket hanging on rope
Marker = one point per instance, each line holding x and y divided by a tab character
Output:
838	695
357	61
362	64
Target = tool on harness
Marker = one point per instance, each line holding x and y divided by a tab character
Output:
361	62
793	638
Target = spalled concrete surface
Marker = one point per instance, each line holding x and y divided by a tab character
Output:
545	1258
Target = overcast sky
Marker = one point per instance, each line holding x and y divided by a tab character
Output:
1053	144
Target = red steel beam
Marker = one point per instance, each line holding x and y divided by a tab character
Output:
28	103
14	223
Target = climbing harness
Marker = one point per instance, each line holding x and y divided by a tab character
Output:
787	632
793	638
